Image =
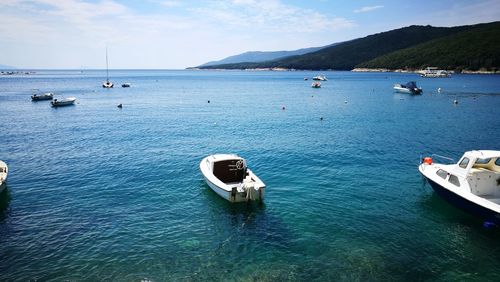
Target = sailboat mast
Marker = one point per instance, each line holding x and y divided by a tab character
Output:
107	76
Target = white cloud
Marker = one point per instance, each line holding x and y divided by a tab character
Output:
368	9
271	16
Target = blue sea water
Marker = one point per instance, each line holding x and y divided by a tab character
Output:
101	193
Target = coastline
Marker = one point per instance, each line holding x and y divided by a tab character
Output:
481	71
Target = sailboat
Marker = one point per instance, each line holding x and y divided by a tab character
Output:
107	84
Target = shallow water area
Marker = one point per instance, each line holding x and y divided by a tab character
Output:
96	192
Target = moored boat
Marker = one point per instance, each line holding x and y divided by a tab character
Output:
472	184
320	78
434	72
63	102
43	96
408	88
316	85
4	171
125	85
107	83
228	176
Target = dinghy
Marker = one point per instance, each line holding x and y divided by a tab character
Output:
229	177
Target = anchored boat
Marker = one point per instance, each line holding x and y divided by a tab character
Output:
4	171
63	102
42	96
229	177
408	88
472	184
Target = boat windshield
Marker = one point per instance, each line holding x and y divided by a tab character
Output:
230	171
411	84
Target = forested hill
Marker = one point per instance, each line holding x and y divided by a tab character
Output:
474	49
359	52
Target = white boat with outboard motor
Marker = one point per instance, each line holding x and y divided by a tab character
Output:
320	78
408	88
63	102
4	171
229	177
472	184
42	96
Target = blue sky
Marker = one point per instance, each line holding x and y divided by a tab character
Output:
171	34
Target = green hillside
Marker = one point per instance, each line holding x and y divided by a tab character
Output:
358	52
473	49
347	55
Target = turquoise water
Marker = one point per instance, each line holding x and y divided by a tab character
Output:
101	193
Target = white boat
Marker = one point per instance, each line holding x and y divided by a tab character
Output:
42	96
408	88
63	102
434	72
4	171
229	177
472	184
316	85
107	83
320	77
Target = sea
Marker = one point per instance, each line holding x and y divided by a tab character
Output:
101	193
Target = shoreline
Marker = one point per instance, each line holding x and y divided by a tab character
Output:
421	71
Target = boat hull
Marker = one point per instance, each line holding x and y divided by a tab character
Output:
464	204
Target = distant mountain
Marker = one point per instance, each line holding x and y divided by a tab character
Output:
472	49
5	67
348	55
262	56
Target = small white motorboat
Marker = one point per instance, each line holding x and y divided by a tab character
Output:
4	171
472	184
63	102
229	177
320	78
316	85
43	96
408	88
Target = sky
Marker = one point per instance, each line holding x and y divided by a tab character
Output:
175	34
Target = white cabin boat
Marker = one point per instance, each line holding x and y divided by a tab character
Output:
316	85
434	72
472	184
229	177
320	78
4	171
408	88
43	96
63	102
